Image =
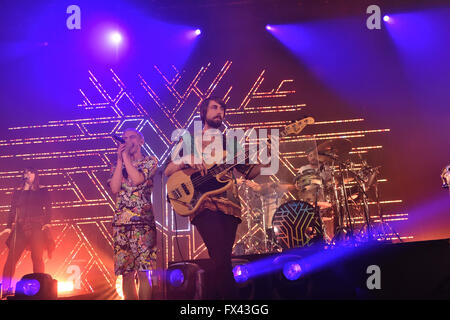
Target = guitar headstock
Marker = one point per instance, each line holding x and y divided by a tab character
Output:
298	126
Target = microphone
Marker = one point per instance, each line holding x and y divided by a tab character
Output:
117	138
124	173
445	176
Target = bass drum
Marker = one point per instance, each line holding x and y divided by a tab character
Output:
296	224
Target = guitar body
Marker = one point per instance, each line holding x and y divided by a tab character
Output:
187	188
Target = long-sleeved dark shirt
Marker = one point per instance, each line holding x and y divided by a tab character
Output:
30	206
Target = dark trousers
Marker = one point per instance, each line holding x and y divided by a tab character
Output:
218	232
32	239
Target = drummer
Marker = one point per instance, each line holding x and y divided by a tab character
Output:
318	165
313	180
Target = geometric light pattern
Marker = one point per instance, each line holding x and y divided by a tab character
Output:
295	223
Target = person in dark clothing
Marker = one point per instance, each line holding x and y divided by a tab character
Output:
28	226
218	216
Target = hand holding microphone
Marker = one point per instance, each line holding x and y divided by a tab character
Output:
445	176
118	139
121	147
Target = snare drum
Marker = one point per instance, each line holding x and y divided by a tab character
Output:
309	185
308	180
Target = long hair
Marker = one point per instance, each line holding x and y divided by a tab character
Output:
35	185
204	107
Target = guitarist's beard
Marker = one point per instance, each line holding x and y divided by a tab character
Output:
214	123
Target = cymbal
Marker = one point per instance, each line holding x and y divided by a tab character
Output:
335	149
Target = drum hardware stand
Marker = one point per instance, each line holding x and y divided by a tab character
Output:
365	206
362	187
341	228
248	243
271	243
319	218
384	225
380	214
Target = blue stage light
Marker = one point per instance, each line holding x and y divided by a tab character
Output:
176	278
386	18
292	270
240	273
29	287
198	32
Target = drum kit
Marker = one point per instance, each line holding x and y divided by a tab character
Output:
328	195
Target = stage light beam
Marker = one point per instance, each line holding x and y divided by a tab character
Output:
198	32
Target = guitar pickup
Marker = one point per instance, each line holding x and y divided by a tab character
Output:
186	190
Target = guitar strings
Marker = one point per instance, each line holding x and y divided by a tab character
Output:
215	171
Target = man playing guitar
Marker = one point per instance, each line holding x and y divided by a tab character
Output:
218	216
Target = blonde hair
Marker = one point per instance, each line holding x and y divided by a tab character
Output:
134	130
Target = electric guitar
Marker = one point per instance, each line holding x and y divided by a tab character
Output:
187	188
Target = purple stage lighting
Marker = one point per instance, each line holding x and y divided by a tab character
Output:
115	37
240	273
176	278
29	287
386	18
292	270
269	27
198	32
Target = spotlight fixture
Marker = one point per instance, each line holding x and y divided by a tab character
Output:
292	270
36	286
240	273
176	278
185	281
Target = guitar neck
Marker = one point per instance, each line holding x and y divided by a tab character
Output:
296	127
225	166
